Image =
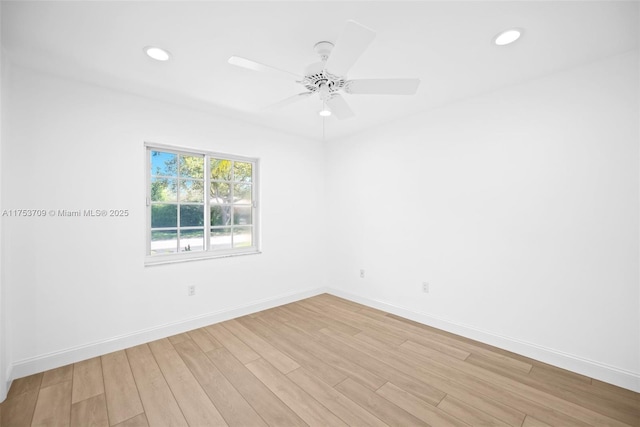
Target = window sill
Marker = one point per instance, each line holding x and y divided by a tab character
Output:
180	258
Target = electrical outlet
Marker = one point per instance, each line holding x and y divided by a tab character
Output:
191	290
362	274
425	287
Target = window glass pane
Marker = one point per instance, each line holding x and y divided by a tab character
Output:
163	163
164	242
192	167
221	169
220	192
191	215
220	215
242	237
191	240
242	172
191	191
163	190
242	194
242	215
179	204
164	215
220	238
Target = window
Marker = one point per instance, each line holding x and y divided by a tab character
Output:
200	205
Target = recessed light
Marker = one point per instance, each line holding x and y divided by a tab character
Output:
507	36
325	113
157	53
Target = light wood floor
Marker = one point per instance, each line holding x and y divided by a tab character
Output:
320	361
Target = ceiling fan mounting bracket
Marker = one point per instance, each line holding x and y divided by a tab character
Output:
323	49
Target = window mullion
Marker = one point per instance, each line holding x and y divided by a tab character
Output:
207	203
178	182
232	201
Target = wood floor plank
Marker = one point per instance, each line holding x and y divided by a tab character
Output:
387	371
137	421
448	384
532	422
204	340
409	330
468	414
618	391
18	410
25	384
548	371
91	412
265	403
233	407
397	334
378	405
493	397
416	333
293	396
57	375
362	322
418	408
527	399
426	336
160	406
87	379
273	315
302	310
388	339
53	407
346	409
175	339
196	406
337	361
232	343
457	338
305	324
306	359
579	393
278	359
121	393
332	300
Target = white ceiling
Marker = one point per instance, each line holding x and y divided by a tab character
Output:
445	44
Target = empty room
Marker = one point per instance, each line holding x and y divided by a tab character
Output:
305	213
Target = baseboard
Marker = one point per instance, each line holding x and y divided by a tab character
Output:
56	359
590	368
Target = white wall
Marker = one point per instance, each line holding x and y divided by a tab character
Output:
78	286
3	348
519	207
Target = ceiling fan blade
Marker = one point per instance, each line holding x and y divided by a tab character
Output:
289	100
256	66
339	107
383	86
352	42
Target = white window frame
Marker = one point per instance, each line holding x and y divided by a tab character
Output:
207	253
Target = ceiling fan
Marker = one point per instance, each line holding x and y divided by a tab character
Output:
328	78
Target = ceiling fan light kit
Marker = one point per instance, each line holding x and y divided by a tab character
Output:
157	53
328	77
507	37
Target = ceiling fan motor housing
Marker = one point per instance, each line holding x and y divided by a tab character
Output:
316	76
